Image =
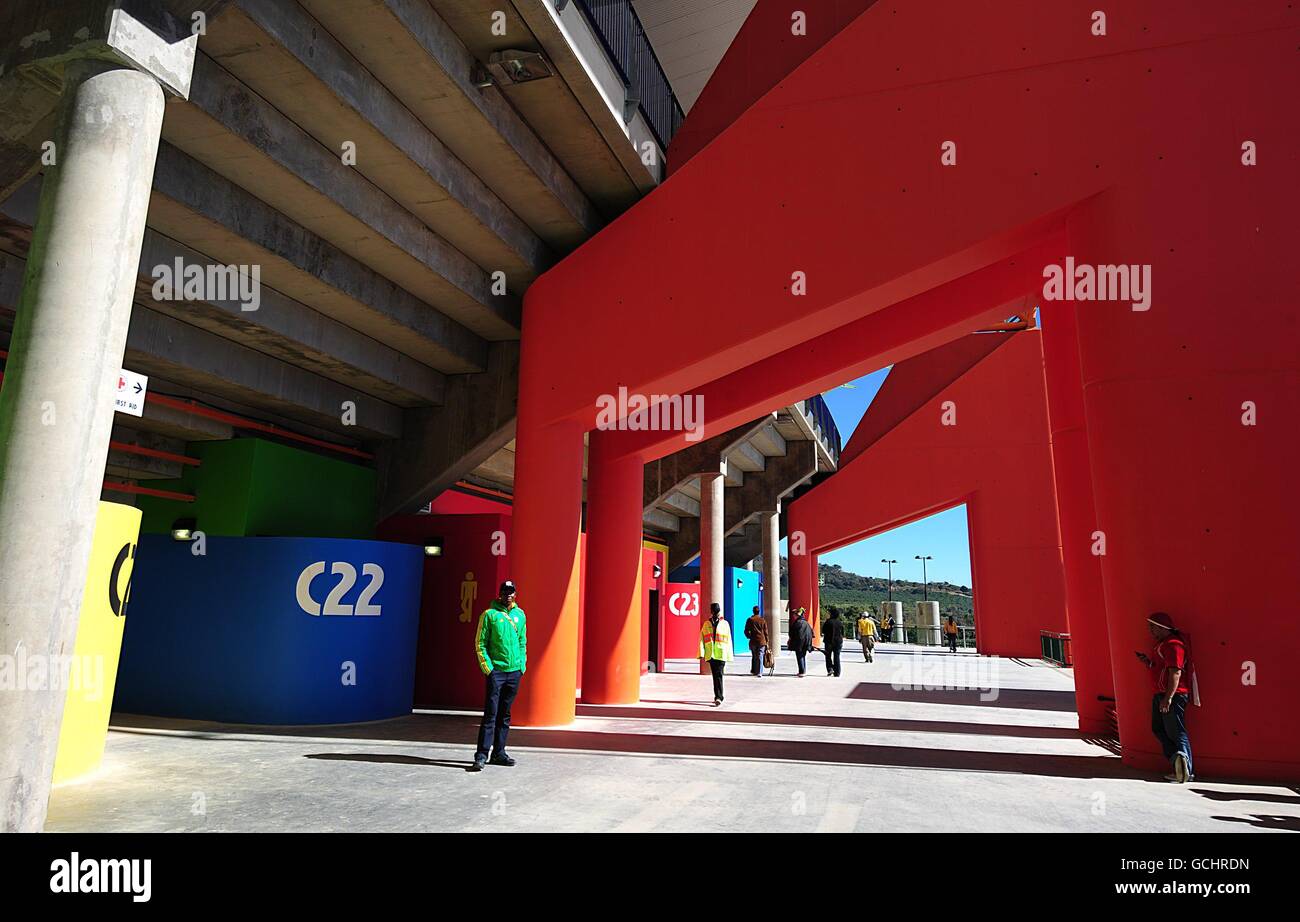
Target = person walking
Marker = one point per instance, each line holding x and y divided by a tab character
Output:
801	639
832	641
502	646
867	634
715	647
1173	681
756	633
950	633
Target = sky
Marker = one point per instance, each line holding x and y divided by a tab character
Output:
942	535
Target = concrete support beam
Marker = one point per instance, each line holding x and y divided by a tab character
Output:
770	523
661	520
237	133
64	358
163	346
443	444
671	472
413	51
279	326
746	457
304	71
198	207
711	550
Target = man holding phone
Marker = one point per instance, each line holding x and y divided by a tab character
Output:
1170	668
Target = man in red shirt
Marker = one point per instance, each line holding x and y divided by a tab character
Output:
1171	681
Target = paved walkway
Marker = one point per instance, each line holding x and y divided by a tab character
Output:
888	746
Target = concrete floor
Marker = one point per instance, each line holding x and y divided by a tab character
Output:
782	754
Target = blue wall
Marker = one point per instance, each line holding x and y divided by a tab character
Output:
232	635
738	603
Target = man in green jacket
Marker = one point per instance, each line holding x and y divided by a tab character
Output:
502	646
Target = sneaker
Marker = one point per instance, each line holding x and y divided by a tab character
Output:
717	702
1181	774
502	759
1173	778
479	762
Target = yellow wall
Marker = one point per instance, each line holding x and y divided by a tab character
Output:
99	642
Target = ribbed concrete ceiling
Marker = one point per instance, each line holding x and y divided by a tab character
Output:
690	37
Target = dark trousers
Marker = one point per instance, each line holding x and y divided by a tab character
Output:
756	660
1171	728
716	666
501	688
952	642
801	657
832	660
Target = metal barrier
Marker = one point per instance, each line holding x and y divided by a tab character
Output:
619	29
815	406
1055	647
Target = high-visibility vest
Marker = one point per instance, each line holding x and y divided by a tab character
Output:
715	646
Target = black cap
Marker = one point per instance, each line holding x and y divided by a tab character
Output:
508	587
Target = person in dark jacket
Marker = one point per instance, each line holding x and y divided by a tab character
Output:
801	639
832	640
756	633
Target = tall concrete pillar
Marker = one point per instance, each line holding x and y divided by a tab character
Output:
771	525
927	623
894	610
712	530
611	666
56	407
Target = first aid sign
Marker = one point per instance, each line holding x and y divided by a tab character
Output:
131	390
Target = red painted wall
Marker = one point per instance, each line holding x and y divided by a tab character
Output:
1115	149
682	621
996	459
446	668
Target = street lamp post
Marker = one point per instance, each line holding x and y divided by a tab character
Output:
889	566
925	589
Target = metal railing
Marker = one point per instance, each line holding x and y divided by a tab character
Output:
1055	647
815	406
619	29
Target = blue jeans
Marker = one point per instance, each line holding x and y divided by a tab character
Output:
1171	728
801	657
499	695
756	660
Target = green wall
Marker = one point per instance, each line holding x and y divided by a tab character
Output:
254	487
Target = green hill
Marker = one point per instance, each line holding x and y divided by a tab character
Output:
854	593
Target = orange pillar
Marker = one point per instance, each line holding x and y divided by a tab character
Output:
545	550
1085	602
611	667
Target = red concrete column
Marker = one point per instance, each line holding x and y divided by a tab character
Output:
545	551
1084	600
611	668
1191	410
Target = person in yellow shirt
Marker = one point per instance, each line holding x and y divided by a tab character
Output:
867	634
715	647
950	633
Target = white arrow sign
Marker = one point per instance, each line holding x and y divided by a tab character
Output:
131	390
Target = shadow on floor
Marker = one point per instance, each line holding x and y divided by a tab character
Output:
393	758
819	720
1024	698
462	730
1265	821
1260	796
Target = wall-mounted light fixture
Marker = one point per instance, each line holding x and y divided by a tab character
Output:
183	529
432	547
513	66
657	570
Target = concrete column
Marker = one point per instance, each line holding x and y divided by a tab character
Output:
712	529
771	525
894	610
56	408
927	623
611	665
